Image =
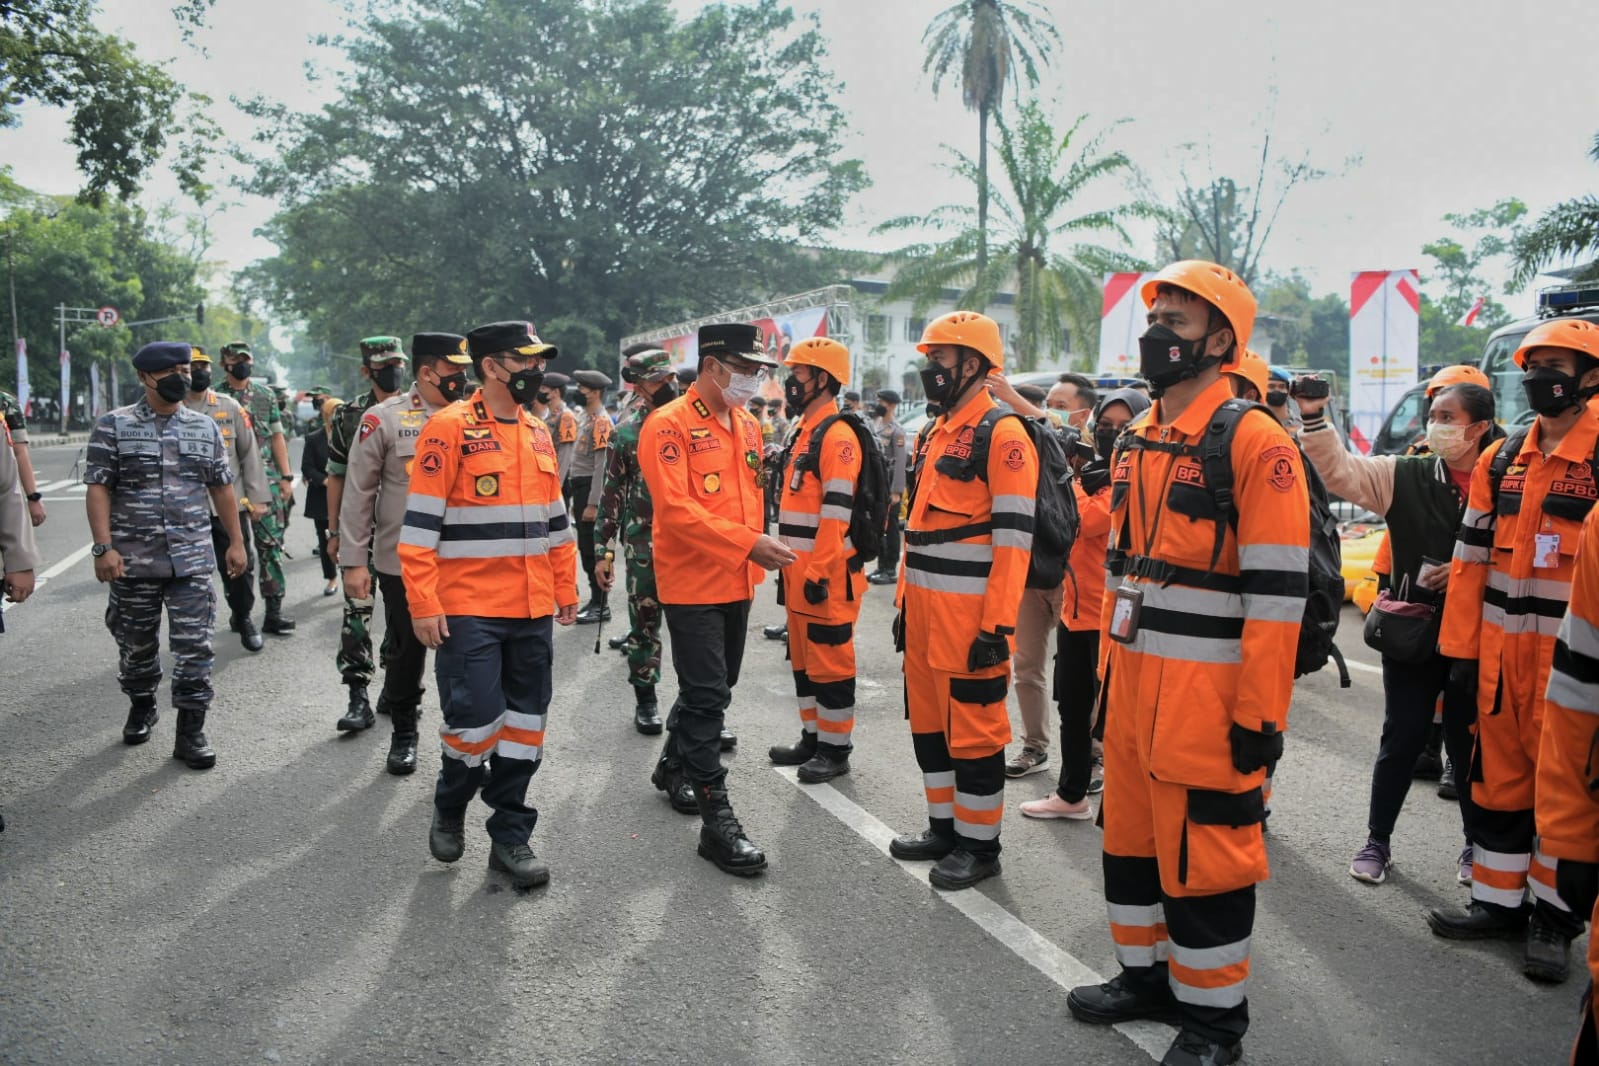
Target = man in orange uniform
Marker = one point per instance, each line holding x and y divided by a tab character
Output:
488	556
1567	801
969	539
823	588
701	458
1508	588
1196	603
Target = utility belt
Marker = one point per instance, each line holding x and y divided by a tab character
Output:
1121	564
921	538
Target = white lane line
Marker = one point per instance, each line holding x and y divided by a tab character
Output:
57	486
1365	667
57	570
1060	966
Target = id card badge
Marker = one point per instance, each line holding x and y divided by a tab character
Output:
1124	613
1546	551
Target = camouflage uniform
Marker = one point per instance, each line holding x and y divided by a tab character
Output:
11	413
625	508
159	470
261	404
354	660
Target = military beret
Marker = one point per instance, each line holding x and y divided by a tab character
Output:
686	375
652	364
161	355
852	397
451	347
387	347
888	396
734	338
591	379
556	380
197	355
235	348
515	337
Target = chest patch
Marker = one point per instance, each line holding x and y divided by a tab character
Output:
477	447
487	486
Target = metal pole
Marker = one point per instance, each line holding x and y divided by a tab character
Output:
66	397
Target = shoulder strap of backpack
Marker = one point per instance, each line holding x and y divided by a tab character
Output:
1508	450
1216	459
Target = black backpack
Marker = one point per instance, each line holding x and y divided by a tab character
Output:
1055	517
868	521
1324	603
1500	464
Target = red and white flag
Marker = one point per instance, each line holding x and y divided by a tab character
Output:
1470	317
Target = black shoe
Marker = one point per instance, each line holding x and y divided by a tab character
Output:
359	715
191	745
829	762
274	622
883	577
793	754
722	838
593	615
778	632
1446	782
249	636
447	836
519	861
618	643
1548	957
1477	922
728	740
402	755
647	718
668	777
962	869
1192	1049
142	717
1122	1000
917	847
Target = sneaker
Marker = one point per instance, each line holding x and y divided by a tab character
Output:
1463	866
1052	806
1371	863
1446	783
1029	761
1096	774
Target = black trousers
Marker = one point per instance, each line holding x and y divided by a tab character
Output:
578	490
1410	694
405	658
238	591
888	559
707	652
329	569
1076	692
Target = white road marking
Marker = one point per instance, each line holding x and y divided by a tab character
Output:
1365	667
57	486
55	571
1060	966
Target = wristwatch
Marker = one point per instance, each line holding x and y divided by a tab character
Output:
99	550
35	497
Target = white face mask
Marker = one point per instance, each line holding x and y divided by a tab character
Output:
1448	441
741	388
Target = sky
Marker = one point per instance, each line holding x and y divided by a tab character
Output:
1415	109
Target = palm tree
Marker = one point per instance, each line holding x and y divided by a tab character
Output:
1566	231
987	40
1045	173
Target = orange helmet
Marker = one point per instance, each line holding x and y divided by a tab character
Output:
968	329
1217	286
824	353
1572	333
1252	368
1456	375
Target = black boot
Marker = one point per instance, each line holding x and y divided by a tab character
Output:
668	777
1196	1049
1477	922
358	715
830	761
918	847
447	835
274	622
962	869
402	754
518	860
192	746
618	643
647	714
1548	954
728	740
777	632
142	716
249	636
1144	992
793	754
722	839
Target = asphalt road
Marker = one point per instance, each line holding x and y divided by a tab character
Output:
283	907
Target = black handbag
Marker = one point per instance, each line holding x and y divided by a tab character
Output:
1405	631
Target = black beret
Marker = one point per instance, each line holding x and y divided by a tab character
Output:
592	379
515	337
888	396
555	380
853	397
447	346
734	338
160	355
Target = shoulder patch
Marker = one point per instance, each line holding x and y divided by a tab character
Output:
369	425
1014	455
1280	463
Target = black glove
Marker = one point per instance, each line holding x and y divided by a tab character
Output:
989	649
1463	678
1095	476
815	591
899	631
1578	885
1254	751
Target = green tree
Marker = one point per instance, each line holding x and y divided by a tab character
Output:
1305	330
987	40
1055	286
1567	231
124	112
1456	280
595	167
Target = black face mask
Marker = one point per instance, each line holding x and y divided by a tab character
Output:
1277	399
943	387
794	393
544	398
200	379
524	384
880	411
1164	358
386	378
1550	391
665	394
1105	441
452	386
172	388
239	371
